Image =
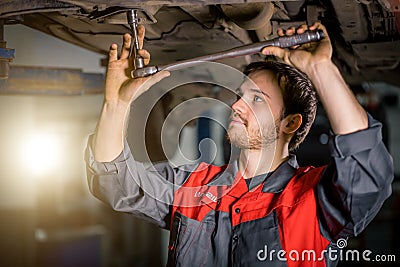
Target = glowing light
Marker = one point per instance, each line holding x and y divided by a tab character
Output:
41	153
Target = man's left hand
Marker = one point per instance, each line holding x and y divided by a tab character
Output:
304	57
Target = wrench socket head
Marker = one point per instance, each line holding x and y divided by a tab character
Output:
143	72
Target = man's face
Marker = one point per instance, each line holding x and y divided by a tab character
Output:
256	115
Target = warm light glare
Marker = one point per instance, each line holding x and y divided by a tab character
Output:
41	153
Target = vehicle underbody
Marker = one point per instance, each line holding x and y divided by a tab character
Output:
365	33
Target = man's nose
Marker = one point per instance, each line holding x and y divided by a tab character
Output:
240	106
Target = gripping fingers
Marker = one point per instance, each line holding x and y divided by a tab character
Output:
290	31
112	53
126	46
145	55
318	25
302	29
277	52
141	32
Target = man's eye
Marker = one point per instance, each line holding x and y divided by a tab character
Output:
257	99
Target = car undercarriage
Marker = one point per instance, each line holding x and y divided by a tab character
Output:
365	33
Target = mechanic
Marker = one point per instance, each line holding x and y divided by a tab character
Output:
262	209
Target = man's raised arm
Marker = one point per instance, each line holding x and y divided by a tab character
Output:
358	179
120	91
344	112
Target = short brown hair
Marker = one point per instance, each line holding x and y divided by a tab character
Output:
298	93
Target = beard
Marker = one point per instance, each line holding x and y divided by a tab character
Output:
257	138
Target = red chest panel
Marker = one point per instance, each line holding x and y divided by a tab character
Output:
295	207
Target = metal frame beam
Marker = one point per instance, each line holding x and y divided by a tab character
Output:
51	81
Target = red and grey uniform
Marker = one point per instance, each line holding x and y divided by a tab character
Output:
291	217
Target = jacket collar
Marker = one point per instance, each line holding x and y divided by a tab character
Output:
227	176
275	183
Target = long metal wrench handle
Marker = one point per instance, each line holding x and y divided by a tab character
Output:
283	42
132	18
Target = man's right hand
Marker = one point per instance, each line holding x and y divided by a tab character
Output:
121	88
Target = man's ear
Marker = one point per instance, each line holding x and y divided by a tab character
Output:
291	123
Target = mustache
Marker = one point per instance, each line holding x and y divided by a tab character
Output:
236	115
